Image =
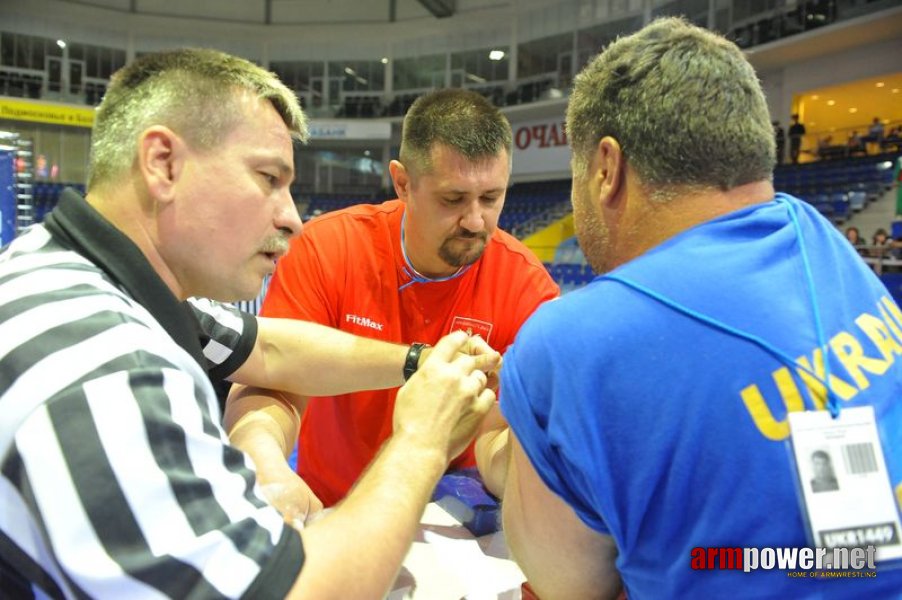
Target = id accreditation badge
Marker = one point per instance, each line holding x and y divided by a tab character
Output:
844	482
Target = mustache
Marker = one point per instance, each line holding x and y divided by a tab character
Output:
275	244
463	233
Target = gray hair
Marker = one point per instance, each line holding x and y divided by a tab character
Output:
195	92
461	119
684	104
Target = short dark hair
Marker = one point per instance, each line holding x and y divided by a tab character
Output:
684	104
461	119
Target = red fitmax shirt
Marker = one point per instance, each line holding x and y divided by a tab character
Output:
347	271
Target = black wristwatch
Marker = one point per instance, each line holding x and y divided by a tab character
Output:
413	359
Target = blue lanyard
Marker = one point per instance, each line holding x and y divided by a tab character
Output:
416	276
832	402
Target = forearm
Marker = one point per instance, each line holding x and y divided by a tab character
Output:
435	414
264	424
382	512
314	360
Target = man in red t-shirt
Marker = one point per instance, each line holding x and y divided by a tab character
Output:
407	271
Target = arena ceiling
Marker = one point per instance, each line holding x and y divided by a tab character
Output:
301	12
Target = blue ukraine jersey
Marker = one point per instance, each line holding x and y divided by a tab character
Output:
669	434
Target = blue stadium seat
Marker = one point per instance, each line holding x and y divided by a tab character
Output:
841	207
858	200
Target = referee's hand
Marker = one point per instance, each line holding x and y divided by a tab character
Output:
487	359
442	404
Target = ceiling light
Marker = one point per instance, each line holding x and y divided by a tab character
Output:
61	43
831	102
496	54
895	90
880	84
815	97
384	60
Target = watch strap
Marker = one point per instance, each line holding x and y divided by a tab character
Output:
412	360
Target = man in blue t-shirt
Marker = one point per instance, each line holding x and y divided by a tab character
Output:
648	411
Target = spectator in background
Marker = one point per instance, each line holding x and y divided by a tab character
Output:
780	138
884	246
854	237
880	241
40	167
875	134
893	140
855	145
605	484
876	130
796	133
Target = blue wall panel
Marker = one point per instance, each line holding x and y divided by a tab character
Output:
7	196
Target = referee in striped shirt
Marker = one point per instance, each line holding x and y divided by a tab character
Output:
117	478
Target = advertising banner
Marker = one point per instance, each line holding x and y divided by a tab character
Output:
541	147
46	112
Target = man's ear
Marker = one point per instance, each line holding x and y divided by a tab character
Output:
610	171
400	179
161	157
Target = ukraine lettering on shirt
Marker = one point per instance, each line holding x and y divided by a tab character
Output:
883	329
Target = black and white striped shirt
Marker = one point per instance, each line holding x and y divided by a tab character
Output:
117	478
